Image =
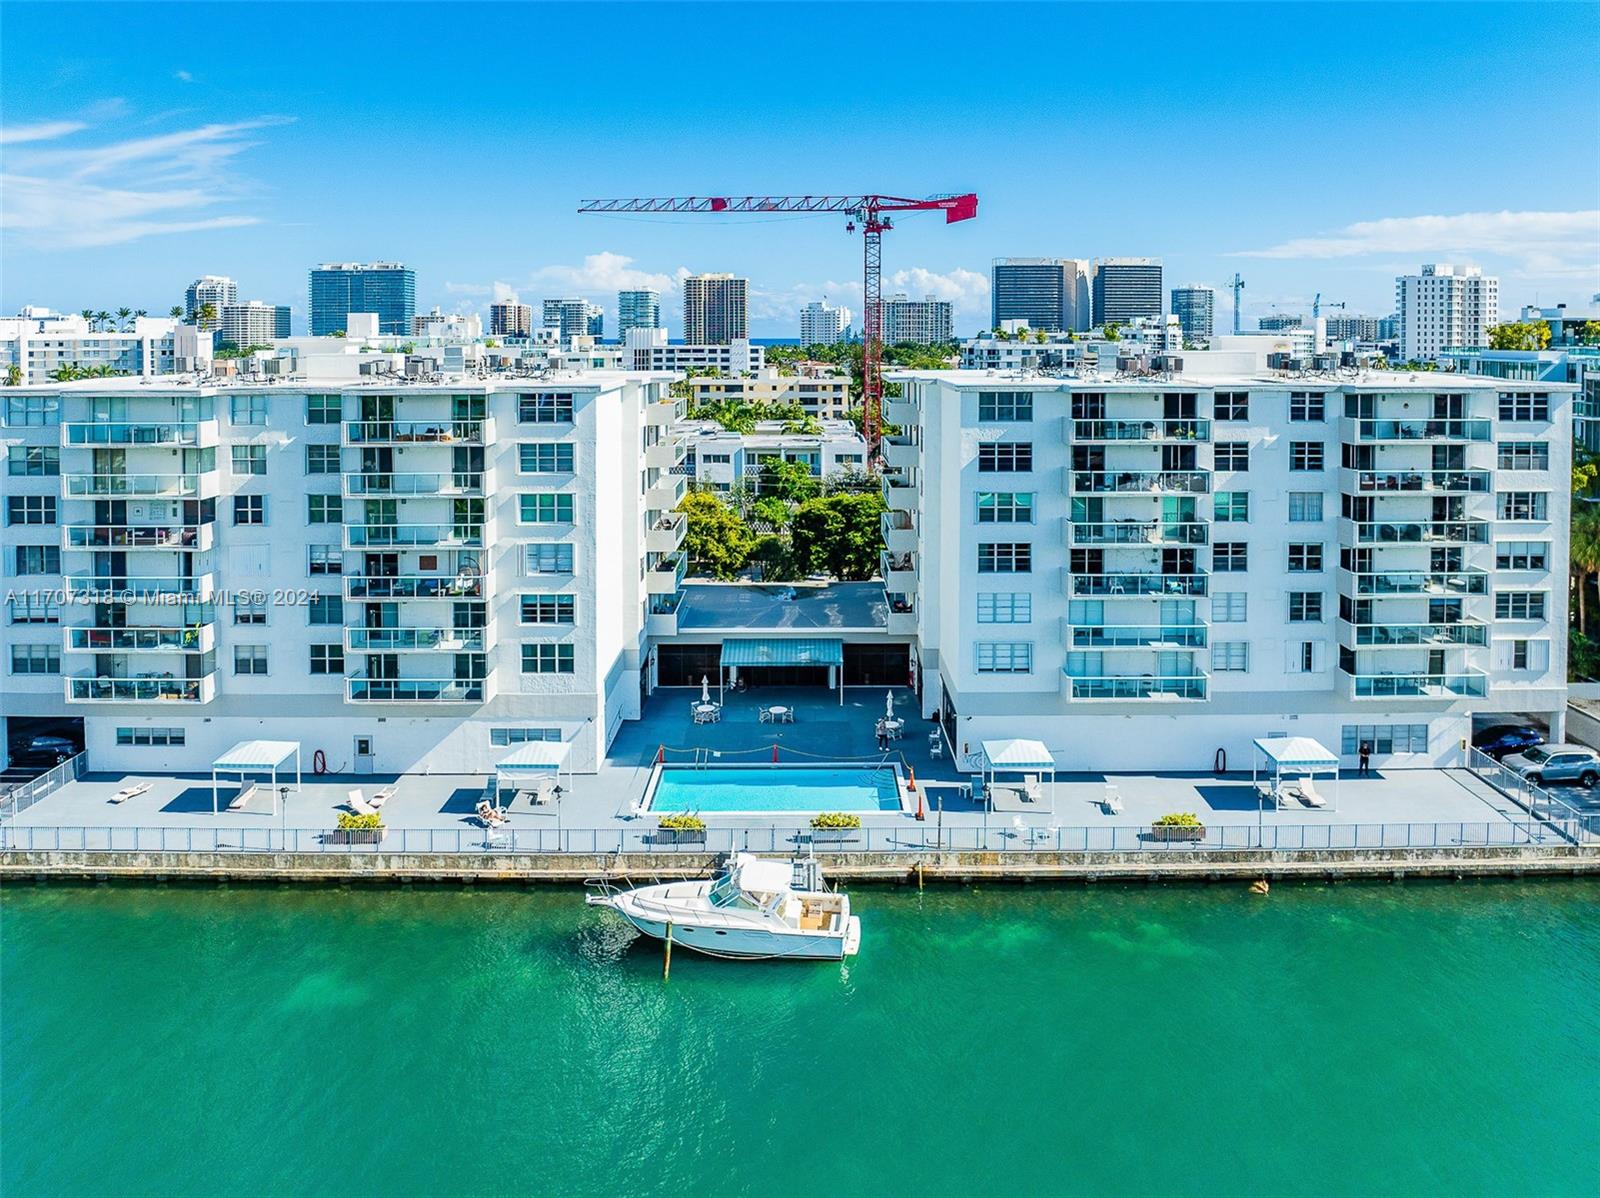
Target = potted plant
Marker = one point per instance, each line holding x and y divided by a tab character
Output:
681	827
359	829
1179	826
834	825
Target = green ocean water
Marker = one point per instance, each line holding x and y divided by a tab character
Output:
1325	1040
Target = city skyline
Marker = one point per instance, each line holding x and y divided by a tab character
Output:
133	168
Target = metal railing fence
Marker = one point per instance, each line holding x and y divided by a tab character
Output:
25	794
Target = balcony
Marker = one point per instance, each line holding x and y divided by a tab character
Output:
1422	582
1138	584
902	618
118	588
193	434
902	413
198	638
1424	532
1139	532
414	586
167	538
191	485
1422	430
85	688
1466	684
900	452
1435	482
666	454
1382	636
416	432
1181	687
1139	636
665	493
664	413
388	486
899	531
898	571
665	534
361	689
391	536
661	616
1187	431
416	640
1151	482
900	493
666	576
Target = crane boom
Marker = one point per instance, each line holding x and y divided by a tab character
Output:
873	213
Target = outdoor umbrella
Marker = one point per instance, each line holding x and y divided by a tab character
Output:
888	704
705	689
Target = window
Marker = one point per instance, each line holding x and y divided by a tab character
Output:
249	459
324	559
1233	455
249	659
547	657
33	461
1305	559
36	659
549	609
1306	455
249	509
501	737
32	411
34	608
1519	655
38	559
1233	405
150	737
30	509
1230	557
1231	507
324	409
1522	555
1519	605
1303	657
1005	405
1005	558
1524	455
322	459
544	408
1005	507
250	610
1005	457
324	509
545	507
1384	739
325	609
546	457
327	659
1230	656
1523	505
247	409
547	557
1307	405
1004	657
1524	406
1305	507
1005	607
1230	607
1305	607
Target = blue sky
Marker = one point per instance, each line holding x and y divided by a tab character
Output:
1310	147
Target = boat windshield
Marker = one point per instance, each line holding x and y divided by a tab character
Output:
725	892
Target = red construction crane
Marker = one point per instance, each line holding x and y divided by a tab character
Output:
871	213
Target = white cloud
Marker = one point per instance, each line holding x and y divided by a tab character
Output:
120	191
967	290
183	76
44	131
602	274
1544	242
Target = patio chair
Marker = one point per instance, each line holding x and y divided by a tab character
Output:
489	815
544	792
130	792
1031	788
384	795
1308	792
935	744
1112	800
357	803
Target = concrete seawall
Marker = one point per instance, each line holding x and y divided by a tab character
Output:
1012	866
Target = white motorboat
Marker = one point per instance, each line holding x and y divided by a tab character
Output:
754	909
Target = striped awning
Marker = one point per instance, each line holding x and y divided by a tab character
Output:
1297	753
251	755
782	651
1017	755
534	757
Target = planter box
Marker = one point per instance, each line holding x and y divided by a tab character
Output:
357	836
834	835
1177	832
679	836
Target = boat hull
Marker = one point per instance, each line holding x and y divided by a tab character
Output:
751	944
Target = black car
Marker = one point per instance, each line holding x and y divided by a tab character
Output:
1506	739
44	750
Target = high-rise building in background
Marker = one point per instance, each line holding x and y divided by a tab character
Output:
1125	288
924	322
1445	305
1049	293
715	309
216	290
1280	322
507	318
254	323
1352	328
639	309
388	289
1196	310
574	317
823	324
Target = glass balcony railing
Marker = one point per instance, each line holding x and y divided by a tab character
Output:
170	537
1154	482
177	434
1423	430
1424	532
1448	482
1183	686
1471	683
1378	636
1422	582
88	689
132	484
1140	636
1141	430
361	689
1136	584
413	586
369	536
408	432
413	483
666	576
196	639
399	640
1140	532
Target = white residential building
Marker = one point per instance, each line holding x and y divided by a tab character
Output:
217	290
649	349
574	317
448	326
1150	573
1443	306
923	322
823	324
1022	349
39	342
719	458
253	323
816	387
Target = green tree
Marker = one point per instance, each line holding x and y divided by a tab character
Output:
87	314
716	539
122	318
1520	334
771	511
839	535
101	317
206	317
13	375
1589	333
1584	559
1585	471
175	312
771	553
791	482
1113	332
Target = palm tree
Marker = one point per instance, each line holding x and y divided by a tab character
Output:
87	314
13	375
175	312
207	315
1585	559
101	317
122	318
140	314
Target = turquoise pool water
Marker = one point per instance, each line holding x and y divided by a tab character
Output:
778	788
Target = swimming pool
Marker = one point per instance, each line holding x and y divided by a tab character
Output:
714	789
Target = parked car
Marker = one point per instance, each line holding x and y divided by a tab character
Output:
1505	739
43	750
1556	763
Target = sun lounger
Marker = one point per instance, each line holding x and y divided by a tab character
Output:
1308	792
359	804
246	793
1113	801
1031	788
491	816
545	791
130	792
384	795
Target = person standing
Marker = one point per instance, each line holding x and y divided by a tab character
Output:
1365	758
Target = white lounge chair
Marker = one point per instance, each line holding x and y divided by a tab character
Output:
491	816
544	792
1113	800
384	795
935	744
357	803
1031	788
1308	792
130	792
240	800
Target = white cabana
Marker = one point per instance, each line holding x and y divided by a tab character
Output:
1293	757
532	760
1029	758
256	757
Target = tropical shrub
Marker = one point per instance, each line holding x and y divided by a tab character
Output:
1179	819
349	821
827	820
682	821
